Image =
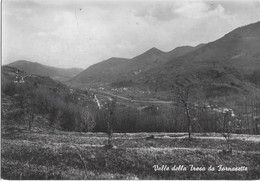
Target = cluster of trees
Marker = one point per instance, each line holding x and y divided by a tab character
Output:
61	108
248	110
167	119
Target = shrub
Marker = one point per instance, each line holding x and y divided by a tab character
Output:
10	89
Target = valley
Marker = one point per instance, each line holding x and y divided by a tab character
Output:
122	118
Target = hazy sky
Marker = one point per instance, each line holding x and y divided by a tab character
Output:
79	33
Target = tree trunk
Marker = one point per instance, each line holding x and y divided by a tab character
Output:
110	138
110	132
189	120
31	118
29	125
189	131
256	126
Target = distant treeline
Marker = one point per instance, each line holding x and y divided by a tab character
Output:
168	120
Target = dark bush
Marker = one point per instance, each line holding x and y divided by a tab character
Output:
10	89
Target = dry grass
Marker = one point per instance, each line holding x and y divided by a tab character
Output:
64	155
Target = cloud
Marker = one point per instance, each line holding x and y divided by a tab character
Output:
161	11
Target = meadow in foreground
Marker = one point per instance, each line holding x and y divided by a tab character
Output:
63	155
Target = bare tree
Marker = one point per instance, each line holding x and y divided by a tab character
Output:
30	113
87	119
227	125
111	106
182	97
27	104
54	113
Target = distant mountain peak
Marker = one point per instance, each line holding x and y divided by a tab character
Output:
23	61
154	50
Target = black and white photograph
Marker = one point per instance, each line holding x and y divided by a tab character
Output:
130	90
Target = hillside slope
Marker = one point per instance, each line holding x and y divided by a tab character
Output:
43	70
105	71
232	61
39	102
118	70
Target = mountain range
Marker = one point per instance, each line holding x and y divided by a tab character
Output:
115	70
229	65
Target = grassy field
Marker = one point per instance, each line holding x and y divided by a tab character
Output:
64	155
